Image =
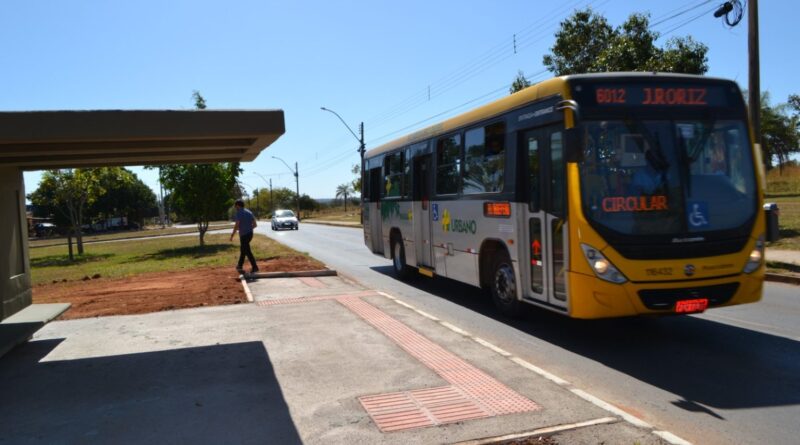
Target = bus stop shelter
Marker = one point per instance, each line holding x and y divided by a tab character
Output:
39	140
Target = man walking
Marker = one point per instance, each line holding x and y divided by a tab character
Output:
245	223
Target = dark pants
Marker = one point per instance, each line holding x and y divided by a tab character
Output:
244	250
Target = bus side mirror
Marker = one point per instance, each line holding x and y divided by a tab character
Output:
572	145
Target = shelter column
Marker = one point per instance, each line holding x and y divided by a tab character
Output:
15	276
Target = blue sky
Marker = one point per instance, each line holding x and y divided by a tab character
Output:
371	61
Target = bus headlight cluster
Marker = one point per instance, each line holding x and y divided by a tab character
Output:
601	266
756	256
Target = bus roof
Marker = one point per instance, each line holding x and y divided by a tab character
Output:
546	88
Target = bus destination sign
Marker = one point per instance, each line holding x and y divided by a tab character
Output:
660	95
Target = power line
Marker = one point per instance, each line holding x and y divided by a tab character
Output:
680	13
492	56
697	17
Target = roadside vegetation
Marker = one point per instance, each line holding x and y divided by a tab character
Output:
783	188
126	234
127	258
338	214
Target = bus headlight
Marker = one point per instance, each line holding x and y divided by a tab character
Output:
601	266
756	257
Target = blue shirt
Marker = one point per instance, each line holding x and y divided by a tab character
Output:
245	219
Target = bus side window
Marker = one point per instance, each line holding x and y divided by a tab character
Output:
557	174
393	175
406	173
448	165
533	172
484	161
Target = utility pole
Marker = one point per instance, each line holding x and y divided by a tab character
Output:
297	185
361	147
363	176
754	75
295	172
255	193
271	209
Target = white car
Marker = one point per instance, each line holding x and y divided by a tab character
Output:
284	219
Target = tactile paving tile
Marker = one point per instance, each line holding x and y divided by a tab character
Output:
298	300
312	282
476	385
472	393
421	408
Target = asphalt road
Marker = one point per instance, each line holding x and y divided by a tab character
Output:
728	376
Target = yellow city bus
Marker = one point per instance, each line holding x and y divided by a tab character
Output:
597	195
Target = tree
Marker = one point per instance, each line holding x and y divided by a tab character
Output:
586	43
201	192
308	204
71	191
342	191
520	83
283	198
199	101
356	170
779	131
126	195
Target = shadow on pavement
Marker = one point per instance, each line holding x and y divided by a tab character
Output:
703	361
202	395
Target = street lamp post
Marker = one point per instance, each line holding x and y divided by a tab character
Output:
361	148
360	140
268	182
296	181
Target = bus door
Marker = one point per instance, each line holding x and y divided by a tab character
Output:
421	210
376	223
543	148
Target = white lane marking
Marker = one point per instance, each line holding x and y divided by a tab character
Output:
426	315
387	295
671	438
546	430
455	329
494	348
552	377
609	407
666	435
403	303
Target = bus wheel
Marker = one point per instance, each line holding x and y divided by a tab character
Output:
399	260
504	287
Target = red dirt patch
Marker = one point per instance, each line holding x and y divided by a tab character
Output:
159	291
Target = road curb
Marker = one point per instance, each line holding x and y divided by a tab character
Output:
780	278
667	436
297	274
333	223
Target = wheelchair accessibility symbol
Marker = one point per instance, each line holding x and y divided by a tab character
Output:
435	209
698	214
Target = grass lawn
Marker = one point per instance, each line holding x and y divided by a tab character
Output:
783	188
62	241
788	222
353	214
126	258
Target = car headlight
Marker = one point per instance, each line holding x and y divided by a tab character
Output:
601	266
756	258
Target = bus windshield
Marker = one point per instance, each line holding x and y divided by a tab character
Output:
659	177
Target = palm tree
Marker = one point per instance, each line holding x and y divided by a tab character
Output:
343	190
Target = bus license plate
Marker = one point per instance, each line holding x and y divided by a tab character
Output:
691	306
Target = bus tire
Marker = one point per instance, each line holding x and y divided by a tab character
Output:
503	286
401	270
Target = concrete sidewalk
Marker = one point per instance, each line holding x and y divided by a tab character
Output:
312	360
783	256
